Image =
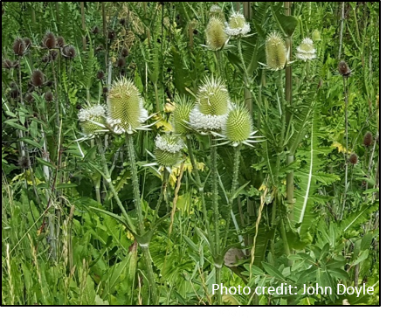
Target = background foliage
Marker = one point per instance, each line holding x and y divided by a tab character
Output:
333	234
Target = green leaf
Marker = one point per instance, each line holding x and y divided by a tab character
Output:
362	257
287	23
272	271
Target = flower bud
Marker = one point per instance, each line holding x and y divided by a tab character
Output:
306	50
368	139
215	34
183	106
239	125
316	36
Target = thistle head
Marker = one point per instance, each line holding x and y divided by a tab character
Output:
168	149
353	159
344	69
125	107
19	47
276	51
215	34
239	125
92	120
213	105
306	50
237	25
368	139
183	106
49	40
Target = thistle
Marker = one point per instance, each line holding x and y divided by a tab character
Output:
238	128
353	159
212	108
344	69
368	139
237	25
183	106
125	107
306	50
168	149
215	34
92	120
276	51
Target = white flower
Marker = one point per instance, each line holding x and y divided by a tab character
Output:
92	120
306	50
87	114
206	122
168	143
237	25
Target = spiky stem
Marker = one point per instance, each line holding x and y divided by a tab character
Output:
137	199
347	146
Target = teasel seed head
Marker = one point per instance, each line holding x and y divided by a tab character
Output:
24	162
353	159
168	149
121	62
95	30
105	90
215	34
29	99
237	25
368	139
48	96
60	41
125	107
37	78
14	93
124	52
19	47
100	75
183	106
275	49
316	36
344	69
111	35
8	64
92	120
49	40
306	50
69	52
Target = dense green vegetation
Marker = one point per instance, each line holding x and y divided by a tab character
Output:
131	173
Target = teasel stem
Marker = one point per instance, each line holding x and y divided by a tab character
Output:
109	181
288	98
347	146
341	32
235	177
138	203
200	187
214	172
163	188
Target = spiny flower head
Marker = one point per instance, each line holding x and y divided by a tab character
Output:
168	149
92	119
19	47
237	25
306	50
368	139
183	106
344	69
353	159
215	34
276	51
238	127
125	107
212	108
